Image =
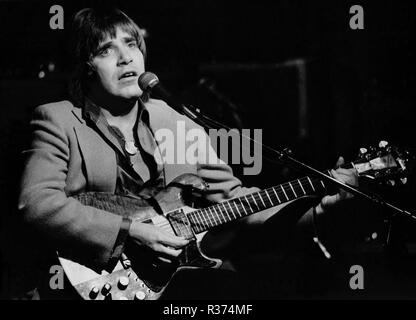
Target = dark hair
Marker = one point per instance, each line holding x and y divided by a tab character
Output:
89	28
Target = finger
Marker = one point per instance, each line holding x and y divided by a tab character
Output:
344	177
340	175
349	172
173	241
335	174
165	260
328	201
169	252
340	162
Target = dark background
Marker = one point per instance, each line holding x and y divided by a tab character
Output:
358	88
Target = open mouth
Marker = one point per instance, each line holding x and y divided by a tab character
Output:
129	74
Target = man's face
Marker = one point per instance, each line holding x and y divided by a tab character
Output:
118	65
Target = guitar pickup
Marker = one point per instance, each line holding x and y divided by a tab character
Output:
180	224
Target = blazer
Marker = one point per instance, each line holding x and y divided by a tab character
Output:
67	157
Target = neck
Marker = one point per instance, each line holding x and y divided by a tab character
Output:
121	113
124	121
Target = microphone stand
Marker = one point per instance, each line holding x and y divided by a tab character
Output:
286	158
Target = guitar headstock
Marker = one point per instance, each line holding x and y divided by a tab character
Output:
385	164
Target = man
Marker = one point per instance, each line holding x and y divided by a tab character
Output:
103	140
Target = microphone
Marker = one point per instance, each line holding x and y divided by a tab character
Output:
149	82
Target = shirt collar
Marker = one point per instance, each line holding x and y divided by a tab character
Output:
93	112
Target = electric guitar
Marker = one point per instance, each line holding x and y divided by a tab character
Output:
169	209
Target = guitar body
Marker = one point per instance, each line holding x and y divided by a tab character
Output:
139	277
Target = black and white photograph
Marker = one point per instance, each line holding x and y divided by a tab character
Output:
220	152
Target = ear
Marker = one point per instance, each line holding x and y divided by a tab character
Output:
90	68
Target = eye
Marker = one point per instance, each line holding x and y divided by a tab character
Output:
105	52
132	44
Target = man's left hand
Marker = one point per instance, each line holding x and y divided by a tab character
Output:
347	176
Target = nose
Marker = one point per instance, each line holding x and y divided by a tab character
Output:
124	56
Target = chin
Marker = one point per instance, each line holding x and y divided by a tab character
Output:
132	94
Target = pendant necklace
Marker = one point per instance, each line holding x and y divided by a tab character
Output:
130	147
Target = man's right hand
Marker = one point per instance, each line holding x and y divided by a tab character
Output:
167	247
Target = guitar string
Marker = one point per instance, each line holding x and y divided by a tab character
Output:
289	186
207	220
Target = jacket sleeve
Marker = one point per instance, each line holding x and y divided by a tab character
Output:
44	203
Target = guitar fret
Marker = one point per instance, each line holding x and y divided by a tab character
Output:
249	204
268	197
290	185
284	192
215	211
214	219
208	215
193	221
231	209
242	205
208	218
220	212
310	182
301	187
261	198
219	218
323	185
201	218
226	211
255	202
298	188
238	211
278	199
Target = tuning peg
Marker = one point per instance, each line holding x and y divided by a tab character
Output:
403	180
383	144
287	151
391	183
363	151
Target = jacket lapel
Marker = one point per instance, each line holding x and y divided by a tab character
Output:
99	158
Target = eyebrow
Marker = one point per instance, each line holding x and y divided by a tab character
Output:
129	38
107	44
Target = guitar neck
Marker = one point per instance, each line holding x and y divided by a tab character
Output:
227	211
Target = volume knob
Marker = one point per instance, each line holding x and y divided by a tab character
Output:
140	295
94	292
123	282
106	289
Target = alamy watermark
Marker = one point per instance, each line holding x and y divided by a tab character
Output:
57	277
357	280
357	20
57	19
192	146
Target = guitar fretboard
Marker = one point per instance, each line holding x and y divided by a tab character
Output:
230	210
